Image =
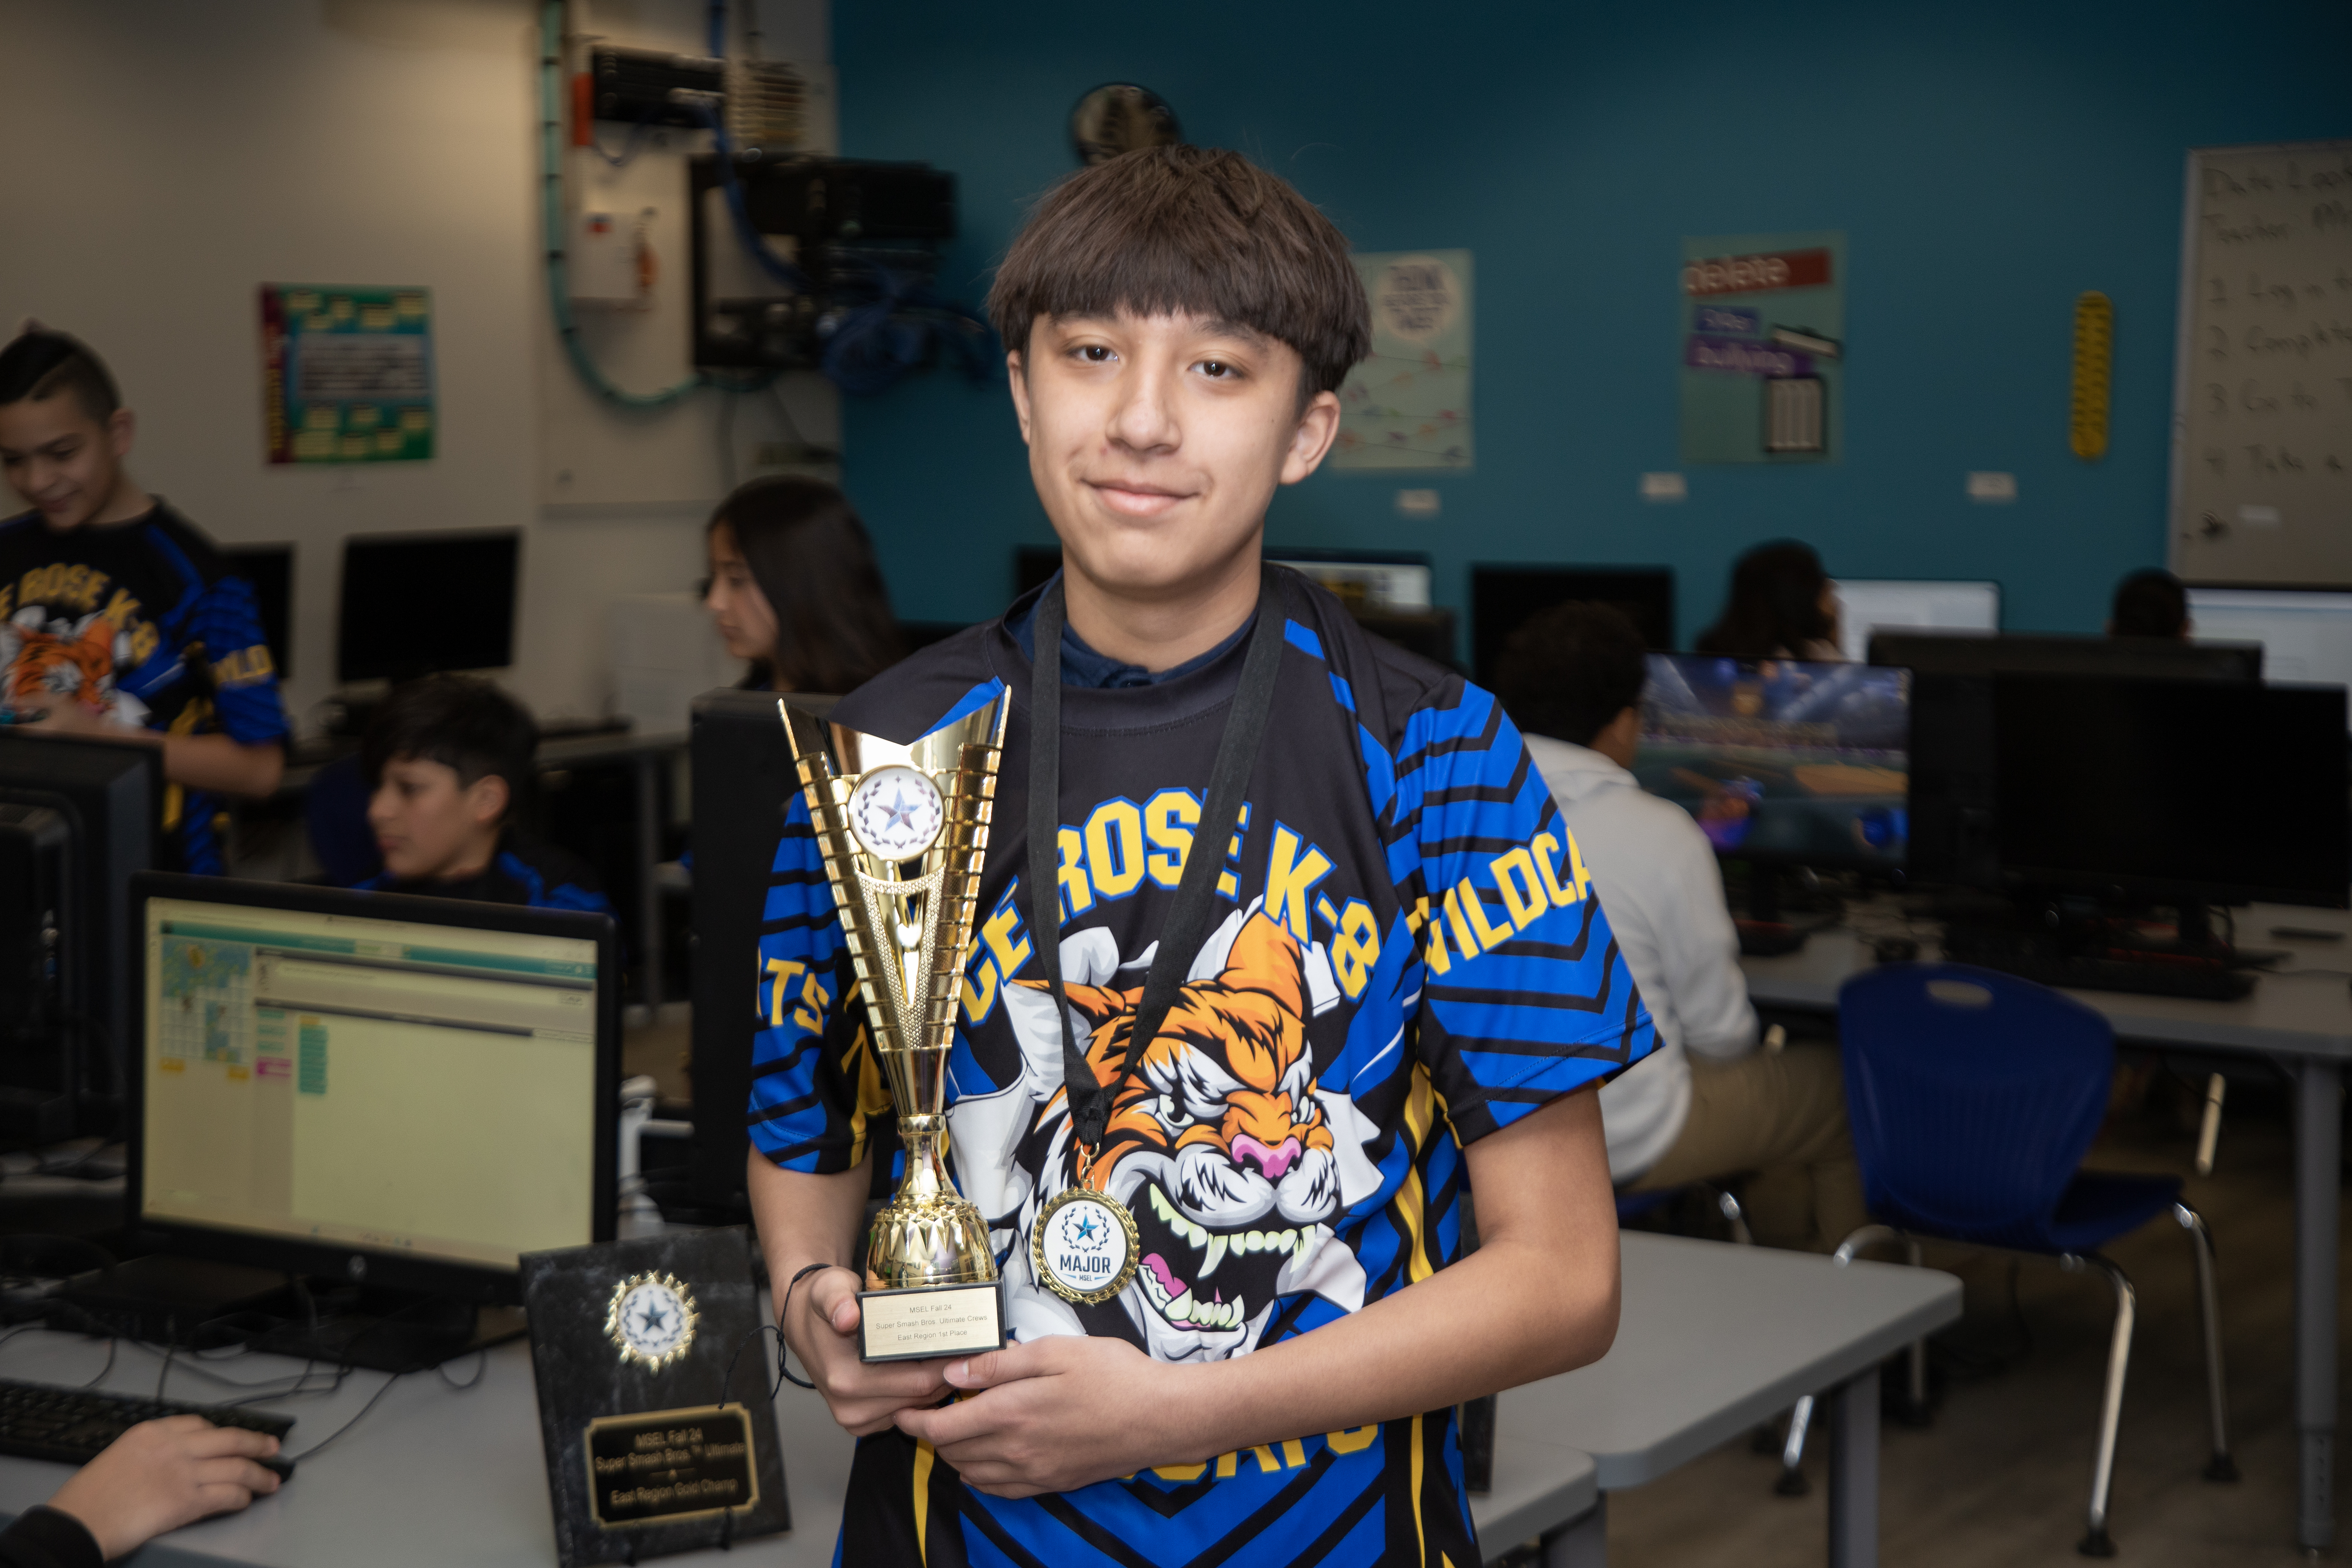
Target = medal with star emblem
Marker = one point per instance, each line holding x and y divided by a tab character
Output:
1084	1245
651	1319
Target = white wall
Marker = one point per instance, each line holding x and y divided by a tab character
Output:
166	157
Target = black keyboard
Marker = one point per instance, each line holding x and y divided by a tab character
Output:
2199	981
40	1421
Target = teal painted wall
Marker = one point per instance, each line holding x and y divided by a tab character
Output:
1986	164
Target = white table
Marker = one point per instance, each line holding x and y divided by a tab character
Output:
2304	1023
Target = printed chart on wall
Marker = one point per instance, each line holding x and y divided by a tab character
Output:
1763	346
1408	407
2261	460
347	373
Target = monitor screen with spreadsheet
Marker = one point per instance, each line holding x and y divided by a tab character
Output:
406	1081
1870	605
2306	632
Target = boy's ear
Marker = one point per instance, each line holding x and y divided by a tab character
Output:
121	429
487	799
1319	427
1016	370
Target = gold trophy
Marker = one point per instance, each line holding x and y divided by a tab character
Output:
904	833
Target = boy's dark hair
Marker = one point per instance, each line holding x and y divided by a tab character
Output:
461	721
2150	604
41	365
1193	229
1570	671
814	564
1775	607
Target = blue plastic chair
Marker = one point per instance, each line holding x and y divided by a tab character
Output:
334	809
1973	1098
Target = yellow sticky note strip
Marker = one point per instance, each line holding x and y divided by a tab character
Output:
2094	364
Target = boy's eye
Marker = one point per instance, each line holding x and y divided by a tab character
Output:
1095	353
1217	369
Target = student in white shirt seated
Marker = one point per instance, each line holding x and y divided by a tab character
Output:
1706	1105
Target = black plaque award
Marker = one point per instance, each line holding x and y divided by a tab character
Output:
660	1435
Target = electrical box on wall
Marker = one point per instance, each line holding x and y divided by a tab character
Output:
612	264
847	227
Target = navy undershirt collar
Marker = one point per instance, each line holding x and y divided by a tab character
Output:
1083	667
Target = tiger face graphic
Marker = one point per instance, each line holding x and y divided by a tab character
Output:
1221	1143
45	660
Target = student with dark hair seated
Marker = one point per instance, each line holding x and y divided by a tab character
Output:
2150	604
1781	606
1707	1104
448	761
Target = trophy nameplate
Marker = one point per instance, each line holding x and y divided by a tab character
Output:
903	831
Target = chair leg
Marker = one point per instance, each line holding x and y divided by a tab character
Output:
2209	1126
2096	1542
1737	1217
1792	1453
1915	1396
2208	1300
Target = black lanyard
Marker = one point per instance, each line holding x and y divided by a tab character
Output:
1188	917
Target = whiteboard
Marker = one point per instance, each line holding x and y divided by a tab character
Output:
2262	426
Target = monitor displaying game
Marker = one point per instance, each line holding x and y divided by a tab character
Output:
1781	760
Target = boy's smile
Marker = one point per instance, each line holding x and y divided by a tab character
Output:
1156	443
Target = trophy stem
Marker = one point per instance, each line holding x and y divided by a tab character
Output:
929	1233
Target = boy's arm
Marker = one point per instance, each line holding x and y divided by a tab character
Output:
1538	1296
807	1219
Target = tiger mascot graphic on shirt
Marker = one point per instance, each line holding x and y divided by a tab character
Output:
43	660
1232	1157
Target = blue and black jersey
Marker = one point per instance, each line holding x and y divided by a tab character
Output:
1408	955
523	871
141	621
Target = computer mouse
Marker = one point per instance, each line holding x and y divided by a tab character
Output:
1894	950
283	1468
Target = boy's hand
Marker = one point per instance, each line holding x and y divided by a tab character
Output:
821	1326
1057	1414
161	1474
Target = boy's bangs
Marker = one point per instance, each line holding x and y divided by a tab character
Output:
1189	231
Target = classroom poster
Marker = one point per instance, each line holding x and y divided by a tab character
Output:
347	373
1763	348
1408	407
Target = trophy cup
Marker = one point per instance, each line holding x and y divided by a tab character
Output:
904	833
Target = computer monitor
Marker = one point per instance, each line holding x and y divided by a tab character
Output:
2220	793
269	570
1503	598
413	604
82	822
1870	605
1370	582
2306	632
1781	760
411	1092
1952	754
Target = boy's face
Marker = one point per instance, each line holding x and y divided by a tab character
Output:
61	460
1156	442
428	824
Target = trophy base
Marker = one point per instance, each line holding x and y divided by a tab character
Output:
924	1321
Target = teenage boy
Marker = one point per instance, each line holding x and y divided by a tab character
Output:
1707	1104
447	759
118	619
1405	978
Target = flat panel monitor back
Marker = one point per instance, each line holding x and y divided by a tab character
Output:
109	794
1503	598
413	604
1953	825
2208	790
1781	760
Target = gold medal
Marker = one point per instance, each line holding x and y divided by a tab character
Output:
1084	1245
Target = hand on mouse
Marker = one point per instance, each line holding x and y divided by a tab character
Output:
164	1474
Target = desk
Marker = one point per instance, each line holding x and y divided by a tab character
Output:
457	1478
1715	1339
2304	1024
